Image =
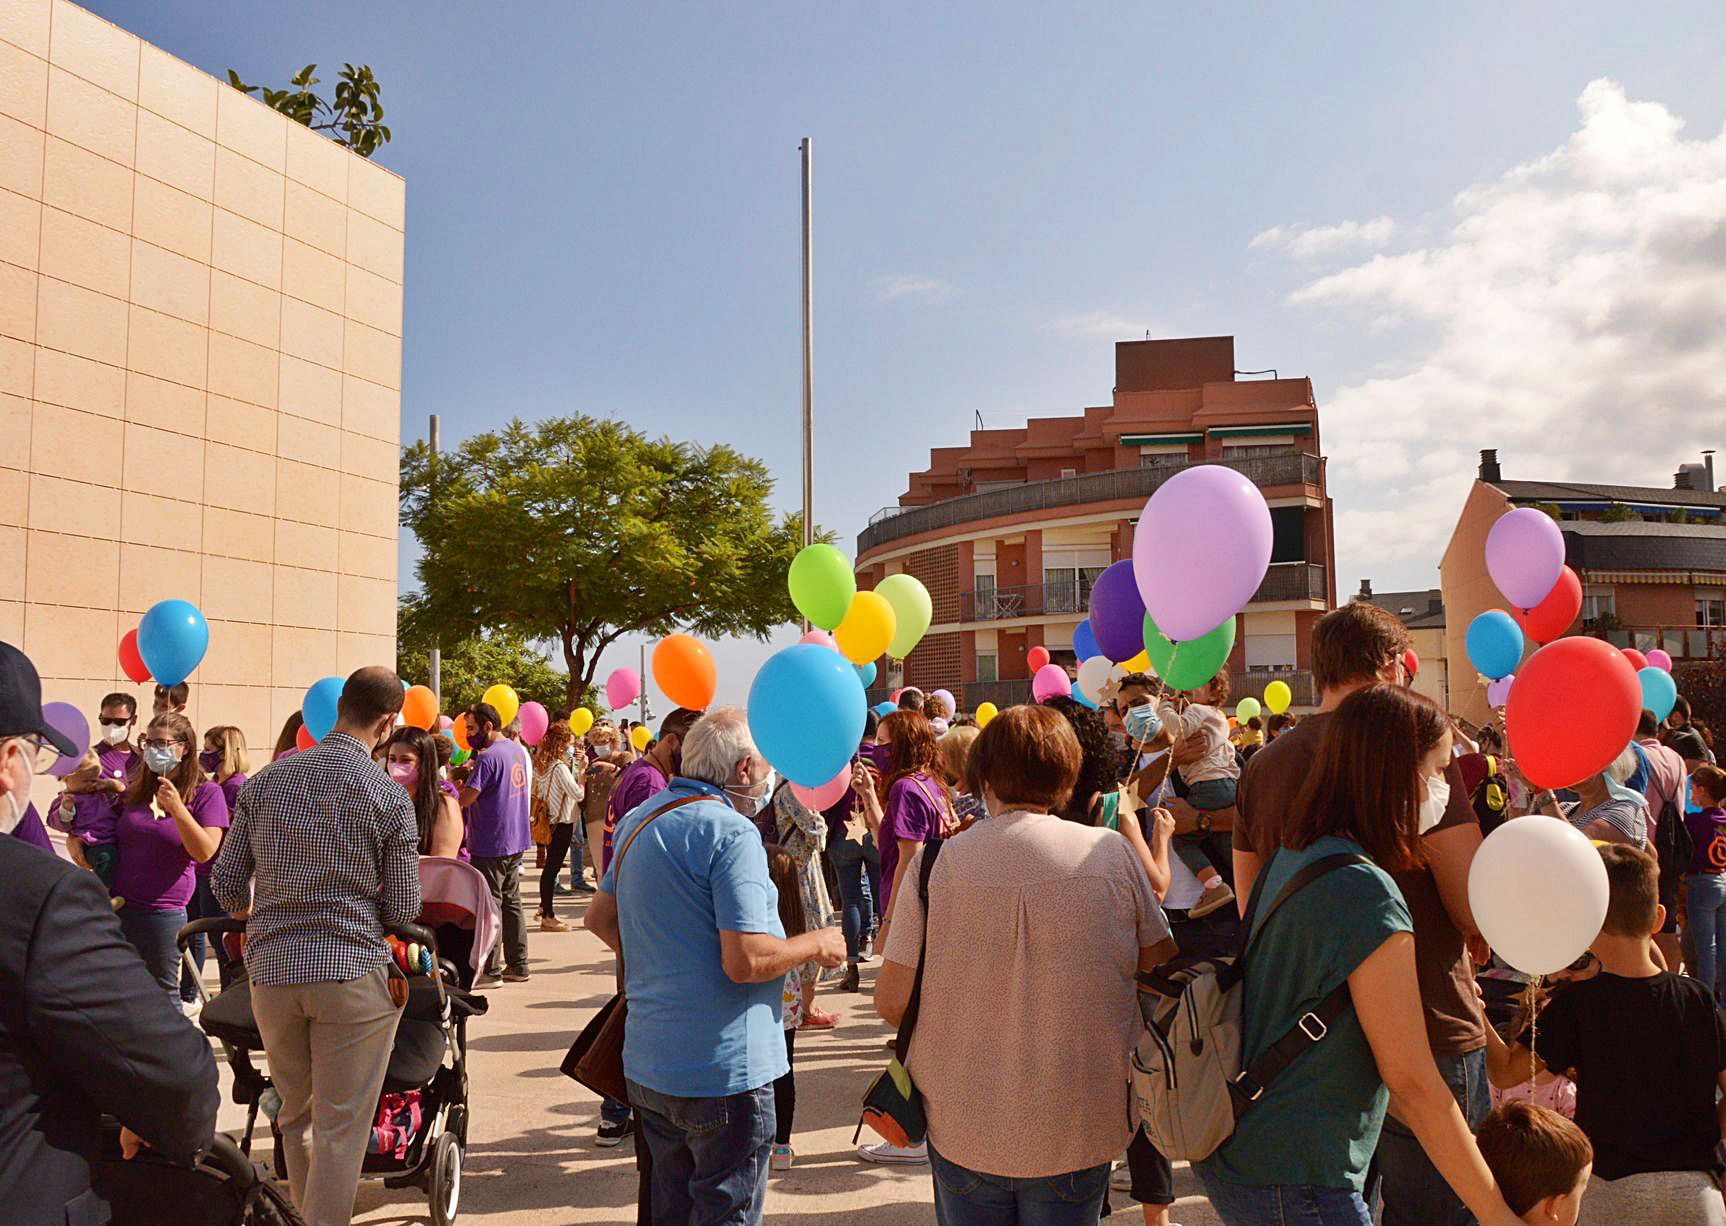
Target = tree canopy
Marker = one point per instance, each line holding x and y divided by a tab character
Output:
354	119
577	531
473	664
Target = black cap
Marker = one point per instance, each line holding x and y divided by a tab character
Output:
21	702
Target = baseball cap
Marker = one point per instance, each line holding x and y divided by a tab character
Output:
21	702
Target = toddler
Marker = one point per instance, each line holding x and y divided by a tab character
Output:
1211	773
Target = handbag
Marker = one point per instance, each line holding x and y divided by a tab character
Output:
595	1059
893	1106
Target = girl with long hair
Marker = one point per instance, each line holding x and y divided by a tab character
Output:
288	740
559	786
227	763
411	758
917	805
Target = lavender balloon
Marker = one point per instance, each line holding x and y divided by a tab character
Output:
1051	681
1498	692
1117	614
1525	556
1201	550
69	721
945	696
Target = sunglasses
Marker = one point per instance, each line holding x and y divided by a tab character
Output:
114	721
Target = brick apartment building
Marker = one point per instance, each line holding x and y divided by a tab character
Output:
1652	561
1009	531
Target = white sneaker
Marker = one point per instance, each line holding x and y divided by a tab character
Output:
781	1158
191	1009
884	1151
1121	1178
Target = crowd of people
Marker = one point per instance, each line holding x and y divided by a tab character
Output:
1047	862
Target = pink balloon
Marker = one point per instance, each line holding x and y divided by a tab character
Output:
820	638
1051	681
535	719
1660	659
445	723
1525	556
1200	550
1498	692
622	688
827	795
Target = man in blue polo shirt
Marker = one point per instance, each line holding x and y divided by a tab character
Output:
499	830
695	918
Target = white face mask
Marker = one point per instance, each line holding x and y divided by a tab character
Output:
114	734
14	807
1436	802
750	804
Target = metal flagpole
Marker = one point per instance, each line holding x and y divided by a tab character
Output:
808	352
436	653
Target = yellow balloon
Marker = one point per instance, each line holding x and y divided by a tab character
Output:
867	629
580	720
1277	697
986	711
504	700
640	737
1140	663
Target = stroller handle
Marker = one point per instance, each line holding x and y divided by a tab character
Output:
415	934
199	927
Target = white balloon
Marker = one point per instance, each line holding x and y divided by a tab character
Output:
1093	676
1538	891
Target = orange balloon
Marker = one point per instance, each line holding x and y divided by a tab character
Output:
419	708
684	671
458	729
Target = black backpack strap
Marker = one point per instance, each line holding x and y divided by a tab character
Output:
908	1023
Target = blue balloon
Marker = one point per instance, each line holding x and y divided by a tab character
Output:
1659	691
1494	644
172	639
318	707
866	674
884	709
806	710
1085	641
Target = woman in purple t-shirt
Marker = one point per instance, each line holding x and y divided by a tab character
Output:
918	806
171	819
228	763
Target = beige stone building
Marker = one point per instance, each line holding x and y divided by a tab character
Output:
200	372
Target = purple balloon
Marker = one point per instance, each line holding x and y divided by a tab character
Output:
1051	681
1117	613
1498	692
1660	659
1525	556
1201	550
69	721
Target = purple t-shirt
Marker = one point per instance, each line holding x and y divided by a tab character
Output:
914	809
498	822
31	830
97	812
640	781
231	794
154	872
1708	841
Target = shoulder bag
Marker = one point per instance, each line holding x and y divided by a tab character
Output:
595	1059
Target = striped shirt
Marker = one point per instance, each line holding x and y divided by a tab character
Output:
332	844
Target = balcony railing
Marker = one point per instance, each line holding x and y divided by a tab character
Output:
1679	642
1284	581
1001	693
1252	685
893	523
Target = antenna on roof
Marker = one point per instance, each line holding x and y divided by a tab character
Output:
979	413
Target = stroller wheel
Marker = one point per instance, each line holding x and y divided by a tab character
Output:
445	1179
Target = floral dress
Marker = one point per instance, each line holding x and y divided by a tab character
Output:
803	836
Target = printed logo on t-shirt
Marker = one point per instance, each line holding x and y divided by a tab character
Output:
1717	849
518	775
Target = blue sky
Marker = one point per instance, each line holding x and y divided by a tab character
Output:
603	216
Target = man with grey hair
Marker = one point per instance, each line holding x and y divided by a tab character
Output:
687	903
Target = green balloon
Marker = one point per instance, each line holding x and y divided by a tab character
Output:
912	612
1188	665
822	585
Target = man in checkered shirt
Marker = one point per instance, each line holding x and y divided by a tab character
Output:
325	852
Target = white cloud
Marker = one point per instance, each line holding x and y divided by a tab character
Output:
888	288
1573	315
1105	324
1317	242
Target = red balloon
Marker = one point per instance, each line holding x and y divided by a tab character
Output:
1572	710
1411	661
1549	619
131	663
305	740
1037	657
1638	661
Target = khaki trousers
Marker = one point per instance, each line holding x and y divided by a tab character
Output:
328	1045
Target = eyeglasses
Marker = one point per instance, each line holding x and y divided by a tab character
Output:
168	744
41	752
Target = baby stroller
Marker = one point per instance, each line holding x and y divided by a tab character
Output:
420	1132
225	1187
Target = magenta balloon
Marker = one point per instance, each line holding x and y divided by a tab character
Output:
1660	659
1525	555
1201	550
1051	681
69	721
827	795
535	719
622	688
1498	692
820	638
1118	613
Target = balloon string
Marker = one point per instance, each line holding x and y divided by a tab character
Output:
1533	1031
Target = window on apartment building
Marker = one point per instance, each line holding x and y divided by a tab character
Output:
1711	607
1174	458
1599	599
1067	589
988	666
1248	451
985	599
1067	473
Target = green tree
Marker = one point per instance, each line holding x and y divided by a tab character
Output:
354	119
577	531
1618	513
473	664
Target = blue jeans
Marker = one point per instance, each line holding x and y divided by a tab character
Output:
859	874
964	1197
709	1155
1283	1204
1414	1193
613	1112
151	933
204	906
1707	911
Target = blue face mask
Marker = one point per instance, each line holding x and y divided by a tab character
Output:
161	761
1142	722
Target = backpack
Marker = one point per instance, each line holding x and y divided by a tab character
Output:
1673	846
1491	796
1188	1087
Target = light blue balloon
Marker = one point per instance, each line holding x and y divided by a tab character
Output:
318	707
1659	691
866	674
1494	644
1085	641
806	710
172	639
884	709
